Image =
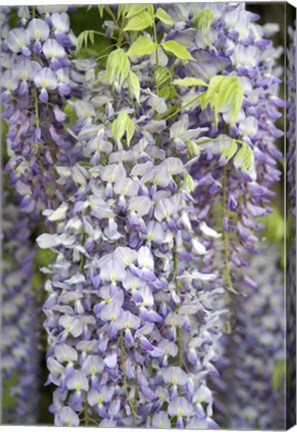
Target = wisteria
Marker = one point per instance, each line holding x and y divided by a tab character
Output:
142	170
20	356
38	77
256	351
291	182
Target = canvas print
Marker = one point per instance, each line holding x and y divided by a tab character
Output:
148	208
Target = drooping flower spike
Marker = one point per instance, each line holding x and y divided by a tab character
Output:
176	130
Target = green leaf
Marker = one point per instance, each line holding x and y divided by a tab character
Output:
177	49
230	151
244	158
203	20
189	82
192	148
151	11
71	114
117	66
162	75
164	17
167	92
189	183
130	129
121	10
101	10
121	125
142	46
139	22
135	85
224	93
132	10
84	39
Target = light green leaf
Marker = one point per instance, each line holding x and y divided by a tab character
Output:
162	75
177	49
117	66
142	46
84	39
192	148
132	10
230	151
121	125
189	82
135	85
139	22
224	93
101	10
151	11
244	158
130	129
189	183
121	10
167	92
124	66
164	17
203	20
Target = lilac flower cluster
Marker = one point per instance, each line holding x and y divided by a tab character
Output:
291	116
255	378
20	356
37	78
176	131
236	46
291	254
131	342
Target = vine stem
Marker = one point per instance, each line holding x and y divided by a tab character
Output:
183	107
86	411
125	384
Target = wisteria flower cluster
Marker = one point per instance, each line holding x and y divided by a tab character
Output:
291	179
38	75
257	399
144	171
20	355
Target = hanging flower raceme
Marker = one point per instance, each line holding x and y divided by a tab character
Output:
175	131
38	77
125	246
291	255
133	335
237	164
20	356
256	350
291	115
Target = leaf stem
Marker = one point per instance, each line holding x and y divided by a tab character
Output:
183	107
86	418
